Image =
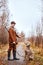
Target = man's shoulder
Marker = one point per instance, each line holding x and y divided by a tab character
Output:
10	29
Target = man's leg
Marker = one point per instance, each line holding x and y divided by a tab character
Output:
14	53
9	52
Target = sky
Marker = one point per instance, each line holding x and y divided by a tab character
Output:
26	14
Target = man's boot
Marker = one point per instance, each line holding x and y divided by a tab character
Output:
14	55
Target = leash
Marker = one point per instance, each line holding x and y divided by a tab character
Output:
20	55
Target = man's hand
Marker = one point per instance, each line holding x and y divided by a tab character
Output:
14	43
19	36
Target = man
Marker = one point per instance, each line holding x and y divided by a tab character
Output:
12	41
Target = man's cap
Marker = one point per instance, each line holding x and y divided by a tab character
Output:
13	22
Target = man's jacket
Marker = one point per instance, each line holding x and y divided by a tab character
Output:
12	35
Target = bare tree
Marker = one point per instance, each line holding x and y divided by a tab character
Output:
38	35
4	17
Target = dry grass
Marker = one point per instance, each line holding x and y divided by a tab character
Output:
38	56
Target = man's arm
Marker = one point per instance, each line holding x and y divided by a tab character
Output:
18	36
